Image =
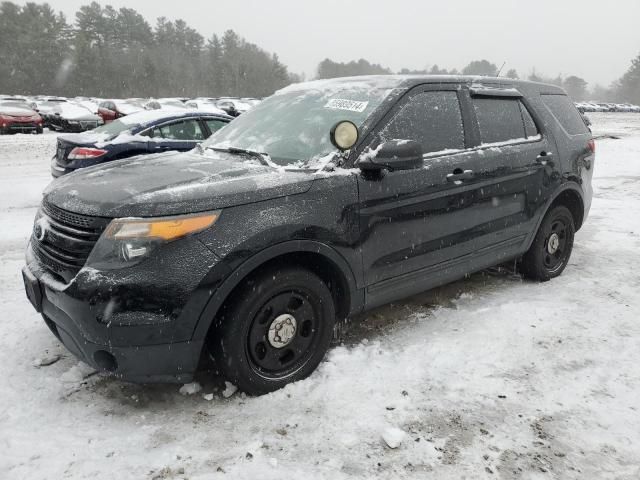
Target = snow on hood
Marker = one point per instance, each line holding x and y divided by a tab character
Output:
71	111
16	112
172	183
128	108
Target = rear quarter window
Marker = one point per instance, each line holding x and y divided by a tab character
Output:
563	109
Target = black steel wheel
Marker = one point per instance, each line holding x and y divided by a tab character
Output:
551	248
274	330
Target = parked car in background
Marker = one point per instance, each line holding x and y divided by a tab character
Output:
45	106
233	106
364	191
73	117
166	103
110	110
251	101
18	117
204	104
87	103
146	132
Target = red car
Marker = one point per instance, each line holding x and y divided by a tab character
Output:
111	110
18	117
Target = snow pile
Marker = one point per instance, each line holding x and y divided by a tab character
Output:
393	437
485	377
190	388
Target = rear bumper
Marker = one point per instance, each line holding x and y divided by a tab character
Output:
57	170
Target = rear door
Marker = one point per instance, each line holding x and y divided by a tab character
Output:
513	156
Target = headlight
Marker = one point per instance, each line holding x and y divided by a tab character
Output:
127	241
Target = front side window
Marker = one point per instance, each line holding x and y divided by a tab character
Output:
186	130
432	119
499	119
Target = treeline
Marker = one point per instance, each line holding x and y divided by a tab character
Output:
626	89
106	52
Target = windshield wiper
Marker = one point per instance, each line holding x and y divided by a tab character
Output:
263	158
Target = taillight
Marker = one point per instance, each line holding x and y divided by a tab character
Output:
82	153
592	145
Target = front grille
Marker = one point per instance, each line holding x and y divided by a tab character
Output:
62	240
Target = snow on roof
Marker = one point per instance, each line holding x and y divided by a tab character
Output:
395	81
344	83
149	116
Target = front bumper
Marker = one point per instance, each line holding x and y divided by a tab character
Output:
20	127
144	338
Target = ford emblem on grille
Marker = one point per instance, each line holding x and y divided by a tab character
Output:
40	229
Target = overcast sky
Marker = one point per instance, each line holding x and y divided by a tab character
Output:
592	39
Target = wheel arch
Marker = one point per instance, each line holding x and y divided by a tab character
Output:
569	195
318	257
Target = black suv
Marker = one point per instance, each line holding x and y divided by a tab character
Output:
327	199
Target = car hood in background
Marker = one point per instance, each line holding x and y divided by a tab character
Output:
172	183
16	112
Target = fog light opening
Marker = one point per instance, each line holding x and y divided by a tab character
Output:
105	361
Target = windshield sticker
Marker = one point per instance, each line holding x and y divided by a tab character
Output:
342	104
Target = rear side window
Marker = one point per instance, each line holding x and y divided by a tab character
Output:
432	119
566	113
184	130
499	119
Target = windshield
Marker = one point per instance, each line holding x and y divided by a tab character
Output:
293	126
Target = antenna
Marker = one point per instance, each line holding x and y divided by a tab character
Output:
500	71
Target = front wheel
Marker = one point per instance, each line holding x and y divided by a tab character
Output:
552	246
275	330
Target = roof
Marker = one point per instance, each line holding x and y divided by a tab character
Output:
147	117
408	81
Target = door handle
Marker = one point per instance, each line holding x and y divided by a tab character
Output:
544	157
458	175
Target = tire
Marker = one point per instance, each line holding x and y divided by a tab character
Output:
551	248
275	330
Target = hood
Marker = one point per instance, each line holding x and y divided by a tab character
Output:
16	112
172	183
75	112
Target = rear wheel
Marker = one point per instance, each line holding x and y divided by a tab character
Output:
275	330
552	246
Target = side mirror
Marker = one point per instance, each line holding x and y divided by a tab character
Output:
393	155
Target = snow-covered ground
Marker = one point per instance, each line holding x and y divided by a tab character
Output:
490	377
